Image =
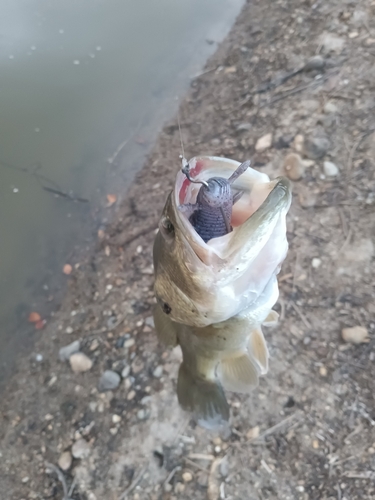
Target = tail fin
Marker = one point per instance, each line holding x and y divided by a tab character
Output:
238	373
204	398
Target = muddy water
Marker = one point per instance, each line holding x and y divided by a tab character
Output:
78	79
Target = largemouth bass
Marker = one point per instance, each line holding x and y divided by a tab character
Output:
214	294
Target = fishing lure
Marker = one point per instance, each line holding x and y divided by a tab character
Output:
211	214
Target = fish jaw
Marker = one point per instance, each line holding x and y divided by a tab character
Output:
205	283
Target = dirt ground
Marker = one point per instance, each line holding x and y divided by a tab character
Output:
308	431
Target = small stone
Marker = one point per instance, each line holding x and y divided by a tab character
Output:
355	335
215	142
116	418
330	108
69	330
330	169
187	477
65	461
253	433
68	350
108	381
125	372
81	449
323	371
353	34
369	42
315	63
149	321
316	263
143	414
331	42
307	198
25	479
158	372
179	488
294	167
316	147
263	143
79	362
298	143
315	444
129	343
131	395
137	366
242	127
202	479
224	467
94	345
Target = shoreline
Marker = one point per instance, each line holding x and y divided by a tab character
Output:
135	437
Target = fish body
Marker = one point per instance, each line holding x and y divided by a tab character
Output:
213	297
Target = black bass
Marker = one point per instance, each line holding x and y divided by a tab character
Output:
215	278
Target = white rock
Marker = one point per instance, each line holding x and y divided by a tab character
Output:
263	143
187	477
81	449
330	169
331	42
68	350
355	335
316	263
65	461
79	362
125	372
330	107
158	372
298	143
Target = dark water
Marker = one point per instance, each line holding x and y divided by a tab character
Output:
77	79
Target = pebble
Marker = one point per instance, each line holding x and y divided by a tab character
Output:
307	198
355	335
330	108
143	414
81	449
224	467
137	366
263	143
242	127
331	42
125	372
330	169
253	433
298	143
315	63
69	330
108	381
179	488
323	371
129	343
65	460
187	477
116	418
316	147
149	321
79	362
202	479
131	395
316	263
68	350
294	166
158	372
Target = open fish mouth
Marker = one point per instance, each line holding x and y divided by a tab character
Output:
254	187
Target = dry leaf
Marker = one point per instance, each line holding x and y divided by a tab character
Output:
67	269
112	198
34	317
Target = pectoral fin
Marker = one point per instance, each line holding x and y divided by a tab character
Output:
258	349
205	398
271	319
238	373
165	328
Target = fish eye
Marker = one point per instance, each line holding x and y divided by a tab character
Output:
166	308
167	226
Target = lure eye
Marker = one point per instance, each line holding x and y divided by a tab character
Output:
166	308
167	226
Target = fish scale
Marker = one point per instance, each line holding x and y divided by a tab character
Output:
208	223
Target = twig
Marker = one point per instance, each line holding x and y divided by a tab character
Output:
194	464
274	428
213	490
300	314
63	194
61	478
201	456
133	237
134	483
171	474
113	158
266	466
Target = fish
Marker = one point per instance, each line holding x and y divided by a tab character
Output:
214	293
